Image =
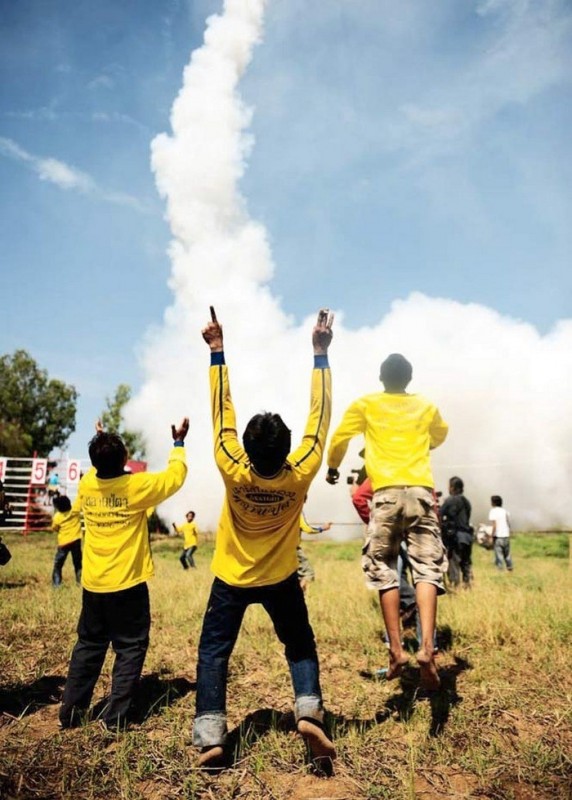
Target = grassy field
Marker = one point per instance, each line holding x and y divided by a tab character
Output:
500	727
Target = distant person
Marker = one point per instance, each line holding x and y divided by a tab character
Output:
190	541
500	520
458	533
400	429
53	485
5	506
67	525
306	573
117	564
255	551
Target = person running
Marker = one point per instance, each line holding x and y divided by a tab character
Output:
400	429
117	564
190	541
255	552
68	527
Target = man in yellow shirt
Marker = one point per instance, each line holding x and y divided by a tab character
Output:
116	566
400	429
67	525
190	539
255	552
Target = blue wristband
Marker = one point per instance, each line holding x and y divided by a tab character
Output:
179	443
321	362
217	359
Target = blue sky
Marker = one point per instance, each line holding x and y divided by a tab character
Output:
398	147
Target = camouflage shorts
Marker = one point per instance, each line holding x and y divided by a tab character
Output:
406	514
305	569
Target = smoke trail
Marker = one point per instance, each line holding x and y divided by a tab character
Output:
501	386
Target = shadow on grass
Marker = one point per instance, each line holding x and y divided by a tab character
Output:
441	701
20	700
12	584
153	695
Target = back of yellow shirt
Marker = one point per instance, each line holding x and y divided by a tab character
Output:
399	431
259	526
116	552
68	527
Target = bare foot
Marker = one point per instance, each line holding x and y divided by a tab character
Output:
429	676
396	663
211	757
322	750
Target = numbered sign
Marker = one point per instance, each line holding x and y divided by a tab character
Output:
3	464
39	471
73	471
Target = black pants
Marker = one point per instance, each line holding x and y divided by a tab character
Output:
60	559
459	554
122	619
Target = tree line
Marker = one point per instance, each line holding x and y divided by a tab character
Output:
38	413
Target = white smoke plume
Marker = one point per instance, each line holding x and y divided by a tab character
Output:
503	388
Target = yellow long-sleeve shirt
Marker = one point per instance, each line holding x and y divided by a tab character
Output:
259	526
305	526
116	552
67	525
399	430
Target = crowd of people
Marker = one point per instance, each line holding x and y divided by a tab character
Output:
257	555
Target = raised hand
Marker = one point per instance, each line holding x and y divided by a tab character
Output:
180	432
98	426
212	333
322	333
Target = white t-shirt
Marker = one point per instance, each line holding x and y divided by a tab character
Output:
501	516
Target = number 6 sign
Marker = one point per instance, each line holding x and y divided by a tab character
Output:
73	471
39	471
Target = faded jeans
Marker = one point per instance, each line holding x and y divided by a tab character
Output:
502	552
284	602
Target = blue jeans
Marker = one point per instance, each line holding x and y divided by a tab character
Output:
60	559
284	602
186	558
502	552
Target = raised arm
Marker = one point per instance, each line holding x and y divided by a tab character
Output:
229	453
308	456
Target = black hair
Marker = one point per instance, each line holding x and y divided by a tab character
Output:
267	441
62	503
456	485
395	373
190	512
108	454
496	500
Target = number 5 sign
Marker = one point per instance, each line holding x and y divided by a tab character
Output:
73	471
39	471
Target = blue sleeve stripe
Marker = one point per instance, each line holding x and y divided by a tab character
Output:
217	359
321	362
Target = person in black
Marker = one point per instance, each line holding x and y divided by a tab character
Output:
457	533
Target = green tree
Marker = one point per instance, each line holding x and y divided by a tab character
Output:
112	420
37	414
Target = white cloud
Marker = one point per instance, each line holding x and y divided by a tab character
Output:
66	177
502	386
101	82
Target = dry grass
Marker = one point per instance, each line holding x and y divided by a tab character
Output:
500	728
